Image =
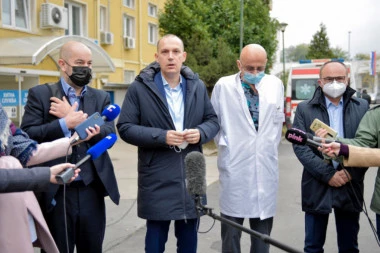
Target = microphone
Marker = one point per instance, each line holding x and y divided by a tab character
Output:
299	137
94	152
108	114
319	139
195	166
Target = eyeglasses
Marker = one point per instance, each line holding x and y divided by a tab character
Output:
331	79
252	69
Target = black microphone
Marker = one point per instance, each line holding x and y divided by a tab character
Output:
299	137
195	166
94	152
108	114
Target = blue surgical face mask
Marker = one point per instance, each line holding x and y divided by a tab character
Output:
252	78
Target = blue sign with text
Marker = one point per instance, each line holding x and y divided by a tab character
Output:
10	97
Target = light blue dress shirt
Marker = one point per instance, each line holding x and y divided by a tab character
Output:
336	119
174	97
70	93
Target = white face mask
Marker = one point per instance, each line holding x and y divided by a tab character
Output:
334	89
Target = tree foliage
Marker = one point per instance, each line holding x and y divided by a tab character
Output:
362	57
210	30
320	46
338	52
294	54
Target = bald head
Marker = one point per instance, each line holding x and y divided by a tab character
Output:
253	51
168	37
253	56
72	48
74	54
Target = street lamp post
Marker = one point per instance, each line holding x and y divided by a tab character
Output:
283	26
349	40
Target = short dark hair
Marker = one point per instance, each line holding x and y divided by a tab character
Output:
326	63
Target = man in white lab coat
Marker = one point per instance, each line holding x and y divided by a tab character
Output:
250	109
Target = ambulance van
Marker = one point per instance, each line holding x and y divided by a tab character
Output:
302	82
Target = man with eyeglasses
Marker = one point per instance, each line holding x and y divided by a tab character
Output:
326	184
250	109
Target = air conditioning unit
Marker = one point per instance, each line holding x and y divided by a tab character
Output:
106	38
53	16
129	42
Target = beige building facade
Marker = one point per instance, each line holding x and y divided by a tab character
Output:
122	35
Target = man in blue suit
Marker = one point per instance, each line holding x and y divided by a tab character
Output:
52	112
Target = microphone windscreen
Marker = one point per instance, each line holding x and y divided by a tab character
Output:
195	166
111	112
100	147
296	136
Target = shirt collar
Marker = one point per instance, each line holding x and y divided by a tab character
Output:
70	90
328	102
166	84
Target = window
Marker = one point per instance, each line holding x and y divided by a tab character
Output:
103	19
16	13
129	76
304	88
129	3
129	26
76	18
152	10
152	33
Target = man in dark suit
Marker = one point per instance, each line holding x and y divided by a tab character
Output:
52	112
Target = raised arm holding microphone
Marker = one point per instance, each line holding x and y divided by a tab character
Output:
54	111
367	135
324	184
360	157
22	224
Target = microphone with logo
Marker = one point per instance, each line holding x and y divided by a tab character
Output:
94	152
108	114
195	166
299	137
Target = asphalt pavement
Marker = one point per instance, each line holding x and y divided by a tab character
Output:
125	232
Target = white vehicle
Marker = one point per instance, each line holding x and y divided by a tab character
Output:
302	82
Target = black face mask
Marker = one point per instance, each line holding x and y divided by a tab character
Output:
81	75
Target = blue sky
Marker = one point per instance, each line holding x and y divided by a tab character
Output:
362	18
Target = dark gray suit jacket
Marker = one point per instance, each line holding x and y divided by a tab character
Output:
42	127
36	179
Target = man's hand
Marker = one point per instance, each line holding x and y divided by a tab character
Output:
60	108
56	169
321	132
192	136
174	138
74	118
340	178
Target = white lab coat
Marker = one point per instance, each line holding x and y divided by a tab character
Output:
248	159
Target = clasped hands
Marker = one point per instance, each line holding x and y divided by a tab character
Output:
62	109
176	138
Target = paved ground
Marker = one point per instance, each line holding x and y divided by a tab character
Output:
125	231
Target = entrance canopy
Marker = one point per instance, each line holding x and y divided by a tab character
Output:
32	50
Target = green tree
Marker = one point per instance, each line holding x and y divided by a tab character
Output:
360	57
320	46
338	52
210	30
296	53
